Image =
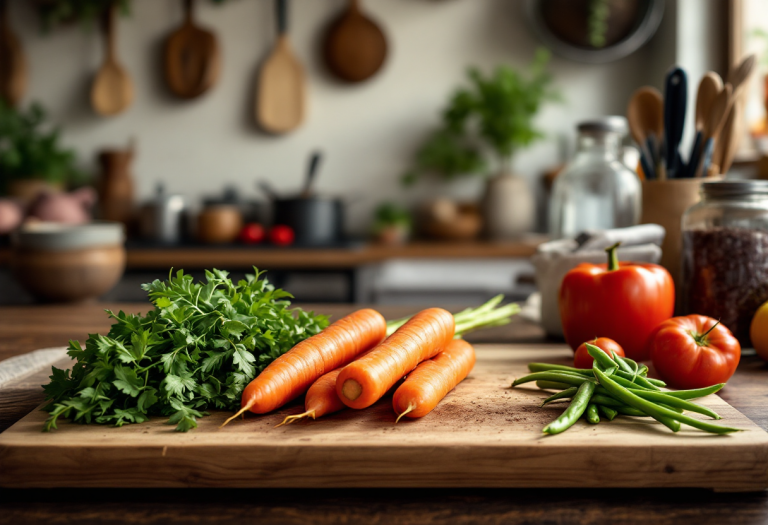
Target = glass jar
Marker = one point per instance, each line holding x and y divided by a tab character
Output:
595	191
725	253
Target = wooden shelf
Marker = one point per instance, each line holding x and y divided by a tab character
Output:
297	258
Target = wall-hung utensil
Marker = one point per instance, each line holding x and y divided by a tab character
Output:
280	100
714	123
112	89
355	47
710	85
13	66
192	60
675	100
644	114
309	183
730	136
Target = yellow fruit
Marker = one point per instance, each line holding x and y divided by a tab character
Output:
758	331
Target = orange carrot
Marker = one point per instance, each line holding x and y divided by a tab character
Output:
361	383
289	376
426	386
321	399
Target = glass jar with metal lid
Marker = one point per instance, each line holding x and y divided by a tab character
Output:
595	191
725	253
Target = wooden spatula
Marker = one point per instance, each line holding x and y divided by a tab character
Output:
355	47
646	123
709	87
192	61
281	92
112	90
13	66
716	118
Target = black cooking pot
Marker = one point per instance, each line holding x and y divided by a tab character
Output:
316	221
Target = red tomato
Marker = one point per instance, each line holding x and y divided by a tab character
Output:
694	351
252	233
281	235
624	301
582	359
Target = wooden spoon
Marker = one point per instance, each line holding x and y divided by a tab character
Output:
192	62
280	99
355	47
13	66
709	87
714	123
645	114
730	136
112	90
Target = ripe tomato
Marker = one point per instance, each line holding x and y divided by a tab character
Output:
252	233
582	359
758	331
281	235
694	351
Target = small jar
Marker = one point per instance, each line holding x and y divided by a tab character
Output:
725	253
595	191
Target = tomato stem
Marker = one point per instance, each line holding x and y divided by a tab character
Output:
613	257
701	339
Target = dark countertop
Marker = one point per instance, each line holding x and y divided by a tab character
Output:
24	329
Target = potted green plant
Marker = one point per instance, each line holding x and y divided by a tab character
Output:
492	117
391	224
31	158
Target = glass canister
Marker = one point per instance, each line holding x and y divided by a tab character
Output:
595	191
725	253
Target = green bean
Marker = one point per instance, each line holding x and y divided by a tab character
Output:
661	397
643	370
639	381
608	412
575	409
626	383
695	393
592	415
558	377
567	393
606	401
551	385
624	366
668	422
630	411
546	367
600	357
633	400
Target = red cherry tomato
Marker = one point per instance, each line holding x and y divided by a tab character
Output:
281	235
582	359
694	351
252	233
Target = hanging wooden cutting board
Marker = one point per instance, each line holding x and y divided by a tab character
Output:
112	89
192	59
13	66
355	47
281	90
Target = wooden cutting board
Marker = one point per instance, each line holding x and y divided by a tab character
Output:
482	435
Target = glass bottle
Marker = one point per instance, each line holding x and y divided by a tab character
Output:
595	191
725	253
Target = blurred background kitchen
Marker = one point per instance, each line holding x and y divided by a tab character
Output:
371	151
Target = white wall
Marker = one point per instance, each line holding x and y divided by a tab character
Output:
369	132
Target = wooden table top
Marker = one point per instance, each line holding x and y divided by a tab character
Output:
200	257
24	329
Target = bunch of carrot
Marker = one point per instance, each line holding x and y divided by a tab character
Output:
359	358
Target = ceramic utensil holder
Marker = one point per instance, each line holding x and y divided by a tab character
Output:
664	202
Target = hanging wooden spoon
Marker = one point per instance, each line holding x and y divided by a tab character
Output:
112	90
13	66
355	47
280	98
645	114
730	136
192	62
709	87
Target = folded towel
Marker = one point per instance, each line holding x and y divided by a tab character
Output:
555	258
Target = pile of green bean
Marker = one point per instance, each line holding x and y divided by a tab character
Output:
618	385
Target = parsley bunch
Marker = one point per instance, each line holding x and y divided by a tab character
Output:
198	349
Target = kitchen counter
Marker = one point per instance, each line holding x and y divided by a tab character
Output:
195	257
29	328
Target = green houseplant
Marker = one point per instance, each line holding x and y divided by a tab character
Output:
492	117
30	152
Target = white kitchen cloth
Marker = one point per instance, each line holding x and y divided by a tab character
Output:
555	258
21	365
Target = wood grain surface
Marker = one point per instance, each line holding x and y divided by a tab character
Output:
484	434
